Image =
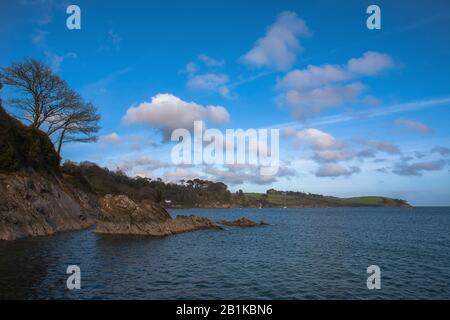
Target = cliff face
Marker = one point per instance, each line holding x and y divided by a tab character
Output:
33	204
34	200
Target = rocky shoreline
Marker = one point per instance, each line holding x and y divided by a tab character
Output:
33	204
121	215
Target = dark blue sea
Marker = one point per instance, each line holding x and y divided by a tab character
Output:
305	254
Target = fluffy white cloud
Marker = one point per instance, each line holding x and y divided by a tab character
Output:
240	174
167	112
279	47
413	125
318	139
312	77
370	64
307	92
303	104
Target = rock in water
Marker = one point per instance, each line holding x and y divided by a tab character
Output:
242	222
121	215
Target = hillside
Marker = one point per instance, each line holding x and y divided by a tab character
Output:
275	198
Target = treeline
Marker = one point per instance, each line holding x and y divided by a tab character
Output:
94	179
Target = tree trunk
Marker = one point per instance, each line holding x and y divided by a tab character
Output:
60	143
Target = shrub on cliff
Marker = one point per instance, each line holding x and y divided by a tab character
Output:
22	146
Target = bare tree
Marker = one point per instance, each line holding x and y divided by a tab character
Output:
48	103
77	122
41	91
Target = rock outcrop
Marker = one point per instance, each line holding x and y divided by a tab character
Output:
242	222
35	204
121	215
34	198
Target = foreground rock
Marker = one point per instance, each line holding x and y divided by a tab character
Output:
242	222
34	198
36	204
121	215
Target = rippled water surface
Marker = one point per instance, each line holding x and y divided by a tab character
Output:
305	254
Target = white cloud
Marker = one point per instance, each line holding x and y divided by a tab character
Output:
312	77
191	69
333	155
370	114
382	146
318	139
167	112
112	138
303	104
181	174
443	151
307	92
279	47
142	164
413	125
370	64
335	170
240	174
416	169
211	62
210	82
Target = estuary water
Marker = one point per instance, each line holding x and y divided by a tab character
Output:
304	254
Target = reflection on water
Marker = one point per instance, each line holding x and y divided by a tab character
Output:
306	253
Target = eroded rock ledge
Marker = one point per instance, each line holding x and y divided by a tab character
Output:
242	222
121	215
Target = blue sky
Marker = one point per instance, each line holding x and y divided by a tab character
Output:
379	99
